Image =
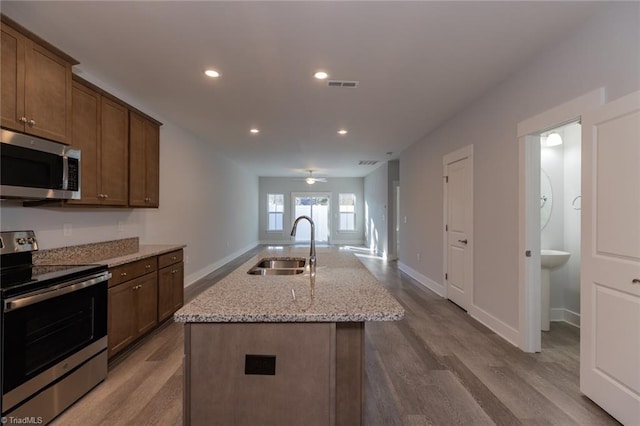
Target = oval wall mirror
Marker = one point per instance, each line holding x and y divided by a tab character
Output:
546	199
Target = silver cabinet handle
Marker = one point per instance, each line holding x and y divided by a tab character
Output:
123	274
463	241
31	122
635	281
22	119
147	266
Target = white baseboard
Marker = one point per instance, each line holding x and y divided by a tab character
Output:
197	275
290	242
564	315
496	325
425	281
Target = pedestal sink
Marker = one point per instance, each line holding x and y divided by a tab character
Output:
549	259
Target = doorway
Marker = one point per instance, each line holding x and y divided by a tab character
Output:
458	226
317	206
536	206
560	204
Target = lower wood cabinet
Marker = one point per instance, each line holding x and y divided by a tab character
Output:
142	294
170	290
170	284
132	311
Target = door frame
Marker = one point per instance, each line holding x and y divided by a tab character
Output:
529	269
327	194
457	155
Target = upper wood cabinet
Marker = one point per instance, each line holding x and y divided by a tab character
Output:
144	161
100	128
36	85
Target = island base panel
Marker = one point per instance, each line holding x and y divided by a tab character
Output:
230	376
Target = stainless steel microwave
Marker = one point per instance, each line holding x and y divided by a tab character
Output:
37	169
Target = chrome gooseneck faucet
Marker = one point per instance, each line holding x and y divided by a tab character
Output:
312	252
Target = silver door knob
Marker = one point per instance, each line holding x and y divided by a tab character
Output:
635	281
463	241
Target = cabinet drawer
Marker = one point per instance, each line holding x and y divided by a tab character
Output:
170	258
132	270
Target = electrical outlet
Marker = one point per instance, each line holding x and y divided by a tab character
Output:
67	230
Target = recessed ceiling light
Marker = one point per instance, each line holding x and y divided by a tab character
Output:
342	132
321	75
212	73
254	130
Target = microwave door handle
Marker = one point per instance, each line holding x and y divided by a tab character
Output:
65	172
23	301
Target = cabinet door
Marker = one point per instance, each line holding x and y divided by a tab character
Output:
152	167
12	80
178	286
121	325
144	146
47	98
86	136
114	153
146	302
170	290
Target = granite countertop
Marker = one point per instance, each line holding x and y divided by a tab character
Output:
110	253
343	290
144	251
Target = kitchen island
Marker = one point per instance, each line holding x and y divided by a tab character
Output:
282	349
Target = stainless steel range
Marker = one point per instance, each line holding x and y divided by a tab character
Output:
54	331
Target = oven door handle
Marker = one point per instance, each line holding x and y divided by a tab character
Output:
23	301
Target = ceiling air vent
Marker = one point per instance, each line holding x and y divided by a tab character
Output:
367	162
342	83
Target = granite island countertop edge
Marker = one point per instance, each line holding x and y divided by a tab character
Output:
343	291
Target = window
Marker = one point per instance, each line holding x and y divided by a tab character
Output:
347	207
275	211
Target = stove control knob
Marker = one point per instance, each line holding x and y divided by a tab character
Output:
31	240
21	241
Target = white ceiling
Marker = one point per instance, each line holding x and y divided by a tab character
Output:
418	63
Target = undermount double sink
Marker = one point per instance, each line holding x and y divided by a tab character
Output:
278	266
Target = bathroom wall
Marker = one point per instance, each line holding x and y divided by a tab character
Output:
562	232
572	177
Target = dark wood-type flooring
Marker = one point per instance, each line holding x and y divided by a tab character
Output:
436	367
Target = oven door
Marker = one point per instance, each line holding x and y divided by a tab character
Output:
47	335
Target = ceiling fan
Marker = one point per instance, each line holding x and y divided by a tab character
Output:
311	179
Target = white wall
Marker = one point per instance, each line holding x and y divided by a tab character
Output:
282	185
376	215
206	202
572	188
603	52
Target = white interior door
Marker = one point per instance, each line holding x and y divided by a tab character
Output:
459	227
610	283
